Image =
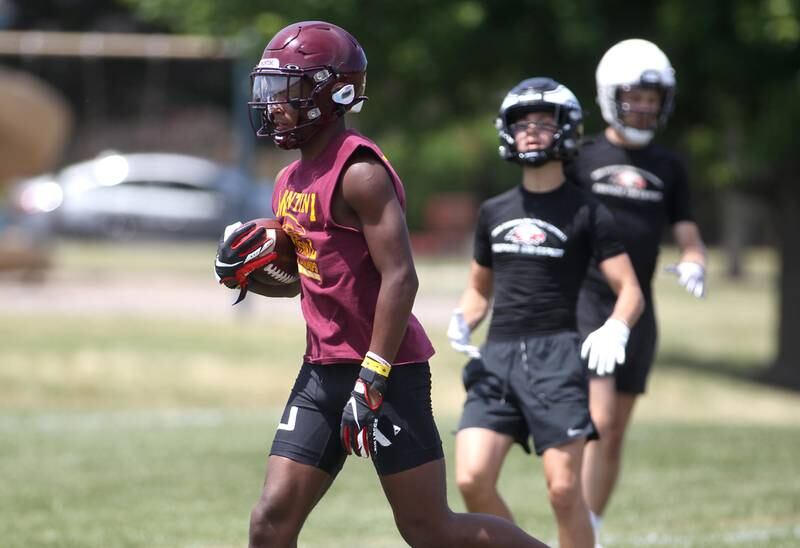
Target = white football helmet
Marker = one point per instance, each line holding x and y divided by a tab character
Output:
628	64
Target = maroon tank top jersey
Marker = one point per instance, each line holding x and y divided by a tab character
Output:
339	281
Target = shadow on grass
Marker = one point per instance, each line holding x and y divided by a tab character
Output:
765	374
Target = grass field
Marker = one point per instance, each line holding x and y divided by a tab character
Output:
129	428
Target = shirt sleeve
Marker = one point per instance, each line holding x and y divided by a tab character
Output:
483	241
606	241
678	201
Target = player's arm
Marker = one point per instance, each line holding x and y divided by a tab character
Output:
691	268
605	347
621	277
371	203
687	237
472	309
368	191
477	297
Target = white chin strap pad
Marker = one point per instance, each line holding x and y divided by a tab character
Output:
638	137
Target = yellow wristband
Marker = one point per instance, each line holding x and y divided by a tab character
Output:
373	362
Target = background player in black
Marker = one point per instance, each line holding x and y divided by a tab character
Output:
532	247
645	187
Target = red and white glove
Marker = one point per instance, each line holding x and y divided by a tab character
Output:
692	276
605	346
363	409
242	249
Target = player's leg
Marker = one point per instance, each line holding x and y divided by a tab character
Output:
291	490
612	402
418	497
562	470
306	454
597	470
554	397
491	422
602	459
479	456
411	466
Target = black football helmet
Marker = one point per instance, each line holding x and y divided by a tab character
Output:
538	95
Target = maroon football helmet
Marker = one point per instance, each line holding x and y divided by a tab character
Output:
318	69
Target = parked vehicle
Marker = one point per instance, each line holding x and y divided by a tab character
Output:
159	195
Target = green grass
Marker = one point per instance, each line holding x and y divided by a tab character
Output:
148	431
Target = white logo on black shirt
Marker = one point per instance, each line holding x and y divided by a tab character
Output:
625	181
526	236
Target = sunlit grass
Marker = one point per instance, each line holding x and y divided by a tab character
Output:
144	430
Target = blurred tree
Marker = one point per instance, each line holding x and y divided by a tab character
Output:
438	71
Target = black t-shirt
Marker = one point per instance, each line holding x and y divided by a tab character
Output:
644	188
538	246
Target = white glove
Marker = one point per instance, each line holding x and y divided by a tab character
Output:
690	275
605	346
458	332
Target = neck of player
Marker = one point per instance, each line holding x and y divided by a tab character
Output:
544	178
315	146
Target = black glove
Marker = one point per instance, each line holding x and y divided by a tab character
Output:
242	249
362	410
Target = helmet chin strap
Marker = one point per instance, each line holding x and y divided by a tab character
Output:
535	158
636	137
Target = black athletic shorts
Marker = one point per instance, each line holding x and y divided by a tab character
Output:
309	429
530	386
631	376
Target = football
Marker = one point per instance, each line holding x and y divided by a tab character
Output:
283	270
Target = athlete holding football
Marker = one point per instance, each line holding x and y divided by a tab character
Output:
533	244
645	187
364	386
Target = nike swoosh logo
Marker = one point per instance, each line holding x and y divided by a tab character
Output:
352	403
220	263
571	432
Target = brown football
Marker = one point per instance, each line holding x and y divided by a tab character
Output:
283	270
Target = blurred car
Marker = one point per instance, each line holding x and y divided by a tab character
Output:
160	195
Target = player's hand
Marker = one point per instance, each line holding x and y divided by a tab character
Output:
242	249
459	333
360	419
363	409
605	346
691	276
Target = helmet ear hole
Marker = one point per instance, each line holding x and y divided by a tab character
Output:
344	95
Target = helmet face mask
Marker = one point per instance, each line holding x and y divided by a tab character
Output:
540	95
293	95
630	66
312	71
640	107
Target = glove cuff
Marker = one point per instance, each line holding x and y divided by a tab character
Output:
619	328
375	371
